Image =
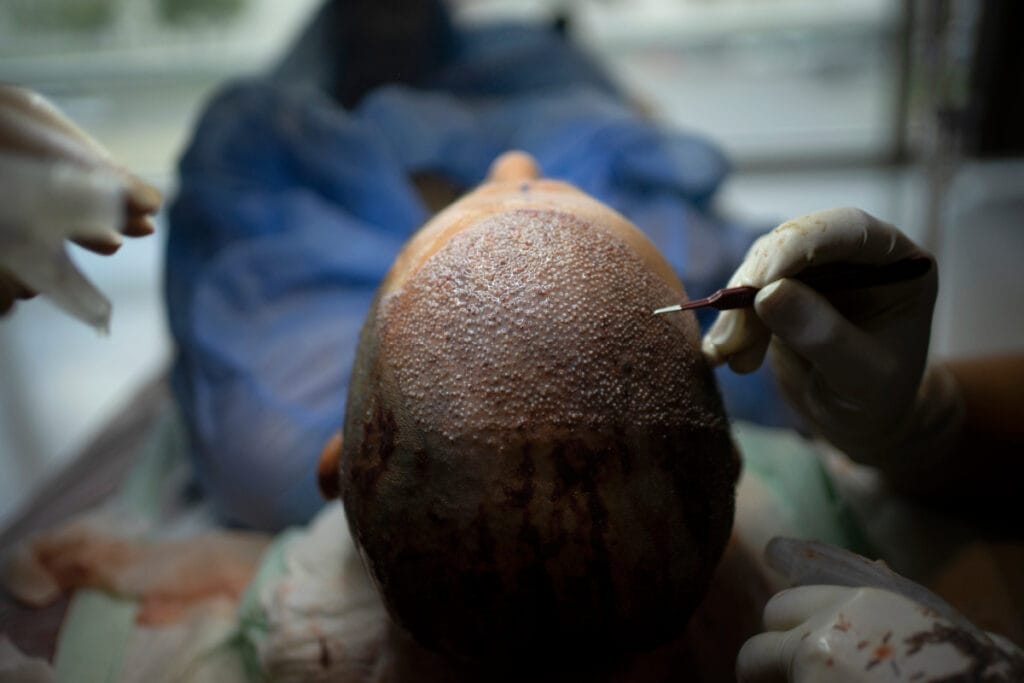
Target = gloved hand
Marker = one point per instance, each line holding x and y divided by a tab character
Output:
836	633
843	633
850	364
57	183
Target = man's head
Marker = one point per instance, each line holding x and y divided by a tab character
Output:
532	464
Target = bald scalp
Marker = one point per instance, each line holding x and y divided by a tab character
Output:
535	319
532	463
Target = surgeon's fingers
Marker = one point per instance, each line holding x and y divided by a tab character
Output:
57	277
136	225
740	334
849	359
57	200
31	106
30	137
766	658
750	357
834	235
790	608
31	126
141	196
108	242
792	374
99	245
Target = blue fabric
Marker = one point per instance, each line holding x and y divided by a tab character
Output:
291	209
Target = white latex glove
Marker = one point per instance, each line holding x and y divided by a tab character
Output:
865	634
840	634
851	364
56	184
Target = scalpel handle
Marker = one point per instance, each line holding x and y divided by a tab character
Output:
828	278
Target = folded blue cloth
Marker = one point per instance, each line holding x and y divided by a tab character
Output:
290	210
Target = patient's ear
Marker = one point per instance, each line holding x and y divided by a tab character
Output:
512	166
327	469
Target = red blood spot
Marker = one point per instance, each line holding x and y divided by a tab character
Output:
829	662
862	644
842	624
881	653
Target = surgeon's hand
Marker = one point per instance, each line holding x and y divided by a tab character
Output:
840	634
852	363
850	619
58	184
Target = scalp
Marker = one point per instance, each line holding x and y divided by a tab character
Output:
536	318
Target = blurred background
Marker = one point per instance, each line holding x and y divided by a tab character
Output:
908	109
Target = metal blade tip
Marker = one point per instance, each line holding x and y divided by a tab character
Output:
668	309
